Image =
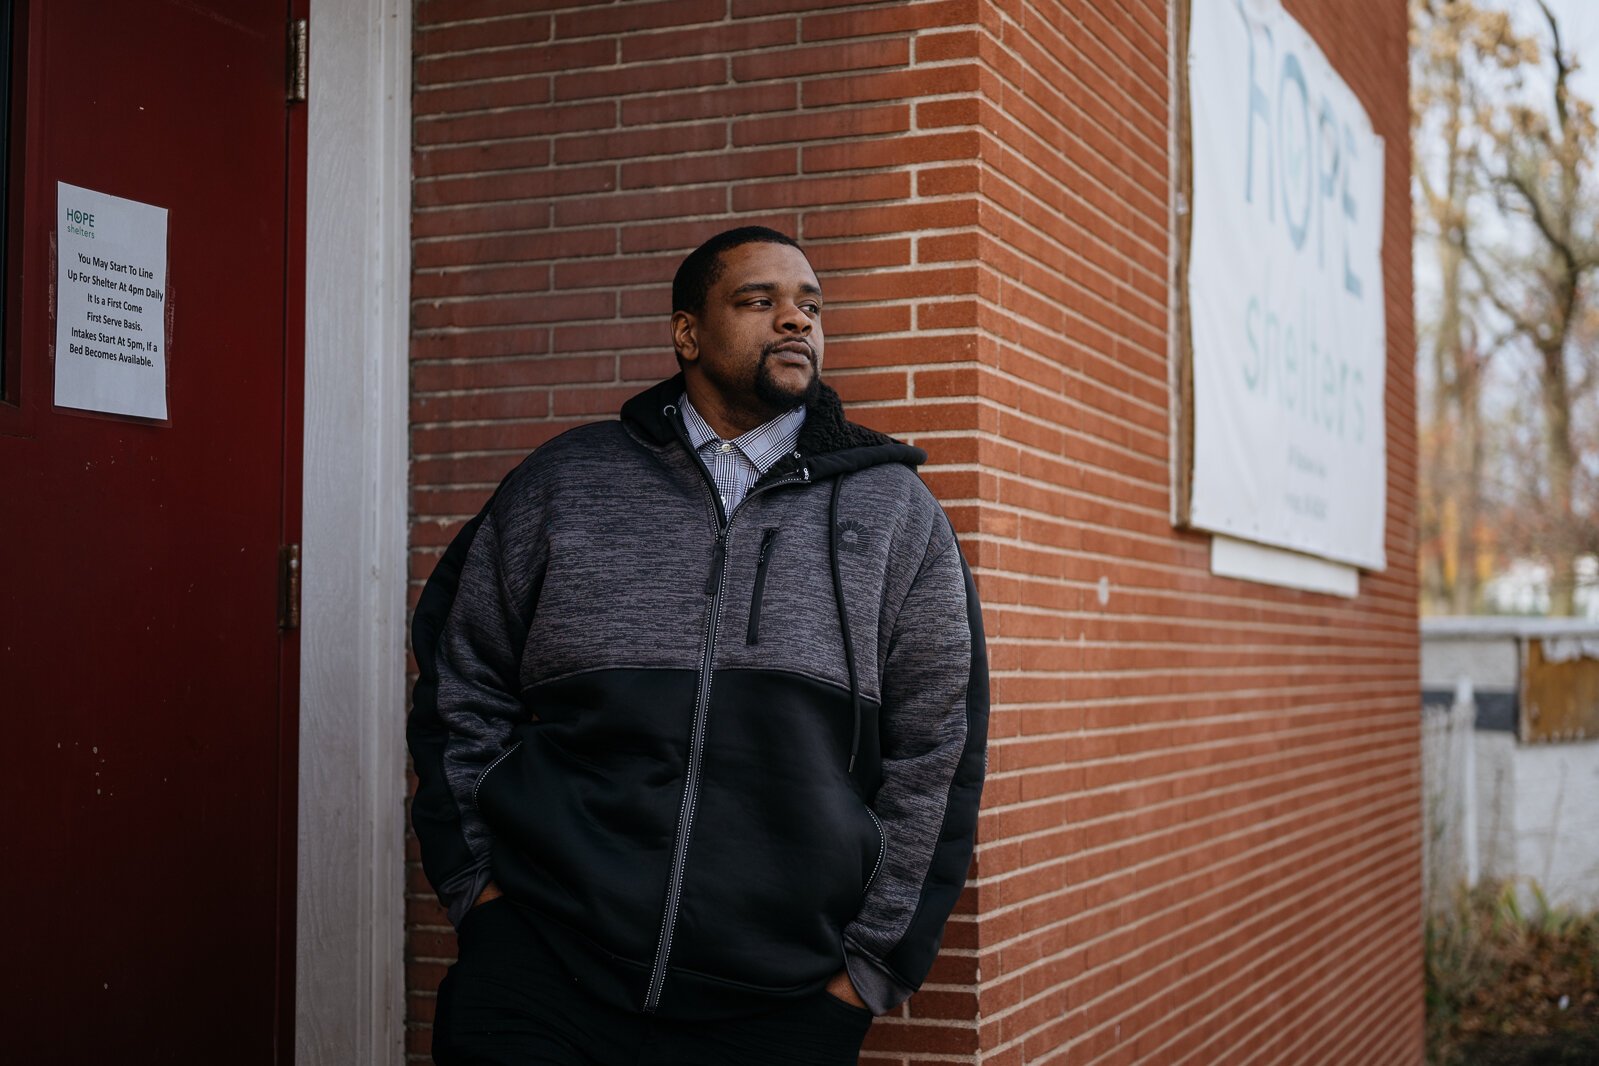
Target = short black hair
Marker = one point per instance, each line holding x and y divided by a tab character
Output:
700	269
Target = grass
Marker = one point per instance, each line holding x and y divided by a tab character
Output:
1511	985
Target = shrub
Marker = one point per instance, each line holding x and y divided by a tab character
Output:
1511	980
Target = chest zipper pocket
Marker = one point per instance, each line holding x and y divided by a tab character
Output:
753	635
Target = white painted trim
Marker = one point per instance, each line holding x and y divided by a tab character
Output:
1175	457
1274	566
350	975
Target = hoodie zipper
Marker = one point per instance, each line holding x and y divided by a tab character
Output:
714	588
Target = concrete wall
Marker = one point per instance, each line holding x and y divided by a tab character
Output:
1525	803
1521	813
1533	817
1538	809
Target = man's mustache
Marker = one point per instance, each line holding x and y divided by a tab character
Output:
770	347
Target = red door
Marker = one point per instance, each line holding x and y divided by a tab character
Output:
148	692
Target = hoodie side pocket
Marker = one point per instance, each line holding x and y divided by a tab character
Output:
484	776
882	849
753	635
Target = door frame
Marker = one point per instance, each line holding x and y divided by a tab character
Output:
350	910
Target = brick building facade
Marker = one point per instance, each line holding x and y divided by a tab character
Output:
1200	831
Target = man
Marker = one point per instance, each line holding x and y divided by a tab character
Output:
700	716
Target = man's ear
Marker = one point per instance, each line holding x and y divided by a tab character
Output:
685	337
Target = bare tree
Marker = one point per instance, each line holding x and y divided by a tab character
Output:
1463	59
1540	281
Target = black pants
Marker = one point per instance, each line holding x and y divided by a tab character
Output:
509	1002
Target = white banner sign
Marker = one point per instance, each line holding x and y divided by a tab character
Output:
111	278
1286	291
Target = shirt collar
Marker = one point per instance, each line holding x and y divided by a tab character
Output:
762	446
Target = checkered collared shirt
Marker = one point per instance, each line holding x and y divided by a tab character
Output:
735	465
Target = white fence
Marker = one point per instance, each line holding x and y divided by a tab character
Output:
1450	855
1497	808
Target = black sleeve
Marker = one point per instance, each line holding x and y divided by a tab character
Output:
435	816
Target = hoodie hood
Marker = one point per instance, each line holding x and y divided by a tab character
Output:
829	444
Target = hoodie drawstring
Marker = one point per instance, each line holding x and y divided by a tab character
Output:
843	625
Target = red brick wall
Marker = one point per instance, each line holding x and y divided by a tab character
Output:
1200	832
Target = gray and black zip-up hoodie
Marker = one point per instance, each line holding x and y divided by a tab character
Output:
716	756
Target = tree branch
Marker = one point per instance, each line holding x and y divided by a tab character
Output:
1523	325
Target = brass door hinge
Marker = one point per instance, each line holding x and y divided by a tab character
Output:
299	59
289	586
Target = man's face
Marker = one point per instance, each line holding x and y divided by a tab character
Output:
755	350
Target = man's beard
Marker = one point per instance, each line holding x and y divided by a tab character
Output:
774	396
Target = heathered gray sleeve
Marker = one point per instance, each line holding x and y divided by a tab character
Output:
925	725
479	666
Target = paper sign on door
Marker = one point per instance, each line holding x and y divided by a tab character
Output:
111	277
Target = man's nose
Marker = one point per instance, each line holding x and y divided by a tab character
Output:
793	320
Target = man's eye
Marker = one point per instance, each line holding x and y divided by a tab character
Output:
811	309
